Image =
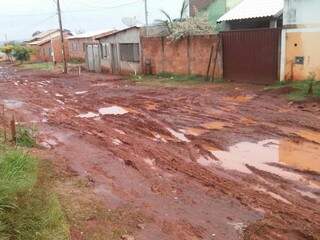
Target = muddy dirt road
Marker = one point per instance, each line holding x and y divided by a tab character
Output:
143	161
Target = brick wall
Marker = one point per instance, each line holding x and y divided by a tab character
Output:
187	56
76	47
42	53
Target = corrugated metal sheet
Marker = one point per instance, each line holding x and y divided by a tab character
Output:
254	9
251	55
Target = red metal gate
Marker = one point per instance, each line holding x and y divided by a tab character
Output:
251	55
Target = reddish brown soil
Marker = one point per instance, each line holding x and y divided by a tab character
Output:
133	166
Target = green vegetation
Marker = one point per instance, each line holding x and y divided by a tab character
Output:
76	61
299	90
17	51
28	209
26	136
169	79
47	66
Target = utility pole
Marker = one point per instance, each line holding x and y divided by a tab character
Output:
146	15
65	69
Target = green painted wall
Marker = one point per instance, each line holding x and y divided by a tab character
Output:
218	8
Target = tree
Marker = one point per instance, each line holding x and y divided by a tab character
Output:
21	53
8	50
17	52
182	27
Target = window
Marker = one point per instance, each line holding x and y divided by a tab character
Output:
129	52
49	52
104	50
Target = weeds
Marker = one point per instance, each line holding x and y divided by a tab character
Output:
300	90
26	137
169	79
28	210
47	66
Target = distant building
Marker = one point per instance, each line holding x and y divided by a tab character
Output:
77	43
117	53
48	47
300	40
214	8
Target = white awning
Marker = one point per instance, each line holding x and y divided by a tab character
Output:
249	9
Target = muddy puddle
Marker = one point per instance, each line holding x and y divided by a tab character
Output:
12	104
114	110
265	154
216	125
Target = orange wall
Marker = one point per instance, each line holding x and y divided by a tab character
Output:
304	44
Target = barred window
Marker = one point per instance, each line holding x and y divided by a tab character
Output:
130	52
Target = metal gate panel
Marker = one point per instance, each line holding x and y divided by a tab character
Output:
251	55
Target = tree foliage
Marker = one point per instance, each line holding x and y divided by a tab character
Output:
17	52
183	27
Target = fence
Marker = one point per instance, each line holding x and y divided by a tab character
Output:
194	55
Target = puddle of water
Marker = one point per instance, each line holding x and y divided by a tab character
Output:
215	125
178	135
205	161
240	99
303	156
116	142
247	121
158	137
308	194
12	104
150	162
272	194
259	155
194	131
88	115
59	101
309	135
81	92
151	106
114	110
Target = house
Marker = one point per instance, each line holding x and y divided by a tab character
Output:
251	40
47	46
119	52
214	8
77	43
253	14
300	58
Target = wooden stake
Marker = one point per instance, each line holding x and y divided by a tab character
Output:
209	64
215	59
13	130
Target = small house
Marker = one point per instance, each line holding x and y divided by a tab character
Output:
119	52
47	46
77	43
251	40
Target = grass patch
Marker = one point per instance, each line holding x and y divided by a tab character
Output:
169	79
28	210
26	137
300	89
46	66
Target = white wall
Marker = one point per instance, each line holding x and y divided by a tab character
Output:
301	12
128	36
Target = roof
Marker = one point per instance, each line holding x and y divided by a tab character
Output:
249	9
91	34
45	37
116	32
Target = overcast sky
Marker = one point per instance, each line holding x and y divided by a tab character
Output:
20	18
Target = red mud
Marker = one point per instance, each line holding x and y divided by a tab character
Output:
159	158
